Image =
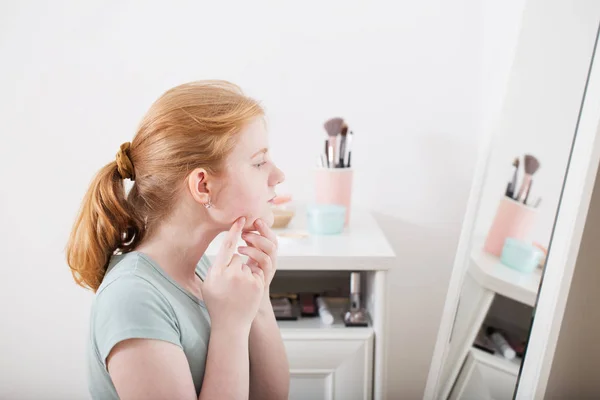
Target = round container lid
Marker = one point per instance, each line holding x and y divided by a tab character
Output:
331	209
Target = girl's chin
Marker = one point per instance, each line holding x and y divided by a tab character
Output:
267	217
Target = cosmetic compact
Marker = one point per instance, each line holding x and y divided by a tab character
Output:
520	255
326	219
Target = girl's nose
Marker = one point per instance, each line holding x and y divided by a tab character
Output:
277	177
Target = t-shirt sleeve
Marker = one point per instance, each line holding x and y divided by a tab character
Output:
202	267
132	308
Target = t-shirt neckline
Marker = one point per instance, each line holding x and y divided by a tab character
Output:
161	271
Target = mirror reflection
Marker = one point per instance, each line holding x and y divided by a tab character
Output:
518	199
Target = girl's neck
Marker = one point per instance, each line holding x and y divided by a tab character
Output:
178	244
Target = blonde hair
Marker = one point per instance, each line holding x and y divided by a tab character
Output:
190	126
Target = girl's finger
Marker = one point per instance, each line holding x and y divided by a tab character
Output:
259	275
236	262
256	270
227	250
265	231
263	260
260	242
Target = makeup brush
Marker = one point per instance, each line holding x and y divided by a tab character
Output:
322	161
333	127
348	149
527	193
328	154
531	166
349	142
342	152
512	185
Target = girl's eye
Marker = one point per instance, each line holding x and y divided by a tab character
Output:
260	164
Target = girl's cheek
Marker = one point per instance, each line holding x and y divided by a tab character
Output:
243	206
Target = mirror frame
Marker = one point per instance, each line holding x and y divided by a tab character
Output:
572	213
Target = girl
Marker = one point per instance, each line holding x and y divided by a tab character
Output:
163	324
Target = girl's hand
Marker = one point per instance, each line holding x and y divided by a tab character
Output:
232	291
262	250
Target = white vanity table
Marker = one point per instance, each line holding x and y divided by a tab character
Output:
472	373
335	361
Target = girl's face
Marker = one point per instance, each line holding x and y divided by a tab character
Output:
247	186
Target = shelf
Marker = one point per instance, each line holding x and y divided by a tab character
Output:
361	247
311	328
497	361
489	272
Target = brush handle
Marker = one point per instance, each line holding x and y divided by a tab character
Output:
330	159
333	151
524	187
348	149
509	191
342	152
323	160
513	184
528	191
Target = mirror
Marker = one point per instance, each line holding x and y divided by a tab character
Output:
509	224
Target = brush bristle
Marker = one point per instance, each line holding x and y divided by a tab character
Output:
333	126
344	129
516	162
531	164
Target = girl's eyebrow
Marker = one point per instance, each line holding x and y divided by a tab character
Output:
263	150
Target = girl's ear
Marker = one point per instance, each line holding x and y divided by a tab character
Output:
198	186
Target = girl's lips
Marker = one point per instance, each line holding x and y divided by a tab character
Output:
280	199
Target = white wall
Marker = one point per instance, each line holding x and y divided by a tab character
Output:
76	78
541	105
427	253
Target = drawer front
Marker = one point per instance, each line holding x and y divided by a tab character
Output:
484	377
330	369
501	384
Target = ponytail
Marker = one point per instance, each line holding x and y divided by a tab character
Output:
106	223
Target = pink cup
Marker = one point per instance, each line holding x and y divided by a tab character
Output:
334	186
513	219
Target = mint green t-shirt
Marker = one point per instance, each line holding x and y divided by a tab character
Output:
137	299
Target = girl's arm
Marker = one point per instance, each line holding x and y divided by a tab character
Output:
154	369
269	368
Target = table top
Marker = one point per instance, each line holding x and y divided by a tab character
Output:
362	246
493	275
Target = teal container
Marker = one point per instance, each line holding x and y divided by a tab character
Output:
326	219
520	255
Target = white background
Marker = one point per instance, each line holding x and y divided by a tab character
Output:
413	79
